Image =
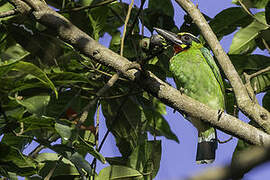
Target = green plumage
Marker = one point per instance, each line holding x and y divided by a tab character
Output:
196	75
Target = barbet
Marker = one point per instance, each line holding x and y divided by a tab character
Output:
196	75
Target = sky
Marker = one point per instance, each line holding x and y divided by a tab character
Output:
178	160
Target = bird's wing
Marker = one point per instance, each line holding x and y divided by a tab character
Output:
211	62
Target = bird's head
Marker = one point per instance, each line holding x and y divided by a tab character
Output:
181	41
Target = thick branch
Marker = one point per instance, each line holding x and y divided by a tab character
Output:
246	161
251	109
148	81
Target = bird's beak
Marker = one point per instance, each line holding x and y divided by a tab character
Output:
170	37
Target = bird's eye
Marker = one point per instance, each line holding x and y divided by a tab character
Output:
185	38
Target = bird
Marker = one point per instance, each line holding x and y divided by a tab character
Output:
196	75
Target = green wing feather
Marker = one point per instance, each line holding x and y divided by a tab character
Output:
211	62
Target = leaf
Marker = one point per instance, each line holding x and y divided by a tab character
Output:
35	71
15	141
251	64
164	7
44	46
146	158
91	150
36	122
252	3
35	104
266	101
15	161
64	167
124	118
267	12
228	20
156	123
80	163
4	8
6	66
63	130
244	40
119	172
158	19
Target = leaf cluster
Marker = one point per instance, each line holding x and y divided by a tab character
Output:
48	90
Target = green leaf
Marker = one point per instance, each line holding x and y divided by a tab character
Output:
4	8
63	130
6	66
119	173
35	122
15	141
35	104
91	150
267	12
251	64
80	163
146	158
244	40
156	123
124	118
228	20
85	2
64	167
15	161
164	7
266	101
252	3
158	19
35	71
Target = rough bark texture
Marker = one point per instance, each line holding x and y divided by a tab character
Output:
85	44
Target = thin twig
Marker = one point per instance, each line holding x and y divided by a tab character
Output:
248	82
49	175
225	141
249	88
250	13
260	72
125	28
120	95
106	87
34	153
86	7
101	72
136	17
97	125
8	13
266	45
96	139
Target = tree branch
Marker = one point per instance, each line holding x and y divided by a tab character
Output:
249	108
246	161
148	81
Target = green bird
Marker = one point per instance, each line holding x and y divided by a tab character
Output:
196	75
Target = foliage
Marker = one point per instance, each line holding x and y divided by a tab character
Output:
46	88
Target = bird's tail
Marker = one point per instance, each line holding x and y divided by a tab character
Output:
207	145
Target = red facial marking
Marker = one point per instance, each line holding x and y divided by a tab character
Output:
177	49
